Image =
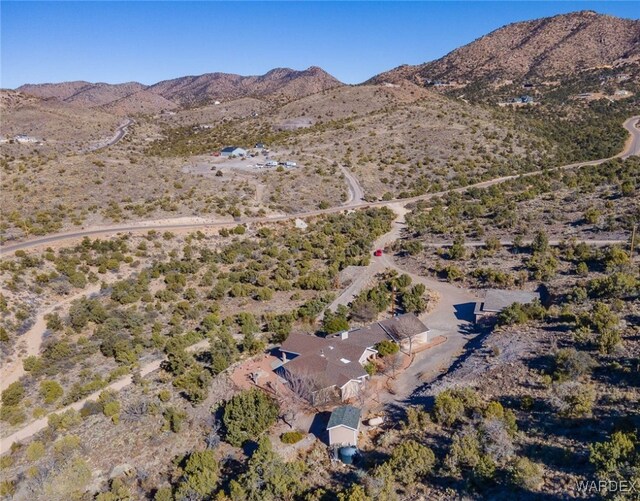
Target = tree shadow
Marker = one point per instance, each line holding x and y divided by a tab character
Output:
556	456
624	373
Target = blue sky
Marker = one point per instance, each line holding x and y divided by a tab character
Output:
150	41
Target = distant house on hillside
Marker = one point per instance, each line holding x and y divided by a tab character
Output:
233	151
344	426
23	138
322	368
496	300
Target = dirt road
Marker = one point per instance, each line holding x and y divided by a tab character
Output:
632	147
31	340
40	424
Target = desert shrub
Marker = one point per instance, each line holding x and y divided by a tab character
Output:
200	475
277	479
64	420
50	391
164	493
495	410
334	322
12	414
247	415
615	285
7	488
33	364
387	347
118	491
70	482
573	399
90	408
292	437
447	409
413	300
451	405
527	474
173	419
224	352
194	383
465	451
572	364
164	395
614	457
66	445
6	462
354	493
411	461
13	394
521	313
83	311
35	450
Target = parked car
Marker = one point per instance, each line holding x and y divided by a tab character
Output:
378	252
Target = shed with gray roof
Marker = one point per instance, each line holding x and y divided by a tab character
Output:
344	426
496	300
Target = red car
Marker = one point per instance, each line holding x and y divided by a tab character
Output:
378	253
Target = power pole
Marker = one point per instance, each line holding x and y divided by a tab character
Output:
633	241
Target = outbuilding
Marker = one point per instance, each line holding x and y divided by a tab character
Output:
344	426
496	300
233	151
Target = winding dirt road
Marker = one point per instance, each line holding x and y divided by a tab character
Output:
632	148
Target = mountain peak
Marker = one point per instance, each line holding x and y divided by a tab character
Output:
536	49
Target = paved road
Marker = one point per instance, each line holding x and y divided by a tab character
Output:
631	148
633	143
120	132
356	193
554	243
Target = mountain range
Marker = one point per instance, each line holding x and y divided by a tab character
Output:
280	83
545	48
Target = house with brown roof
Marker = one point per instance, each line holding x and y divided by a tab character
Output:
322	368
407	330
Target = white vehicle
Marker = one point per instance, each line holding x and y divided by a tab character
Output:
290	164
271	163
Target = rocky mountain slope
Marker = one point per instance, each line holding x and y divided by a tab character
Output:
538	49
281	83
55	123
